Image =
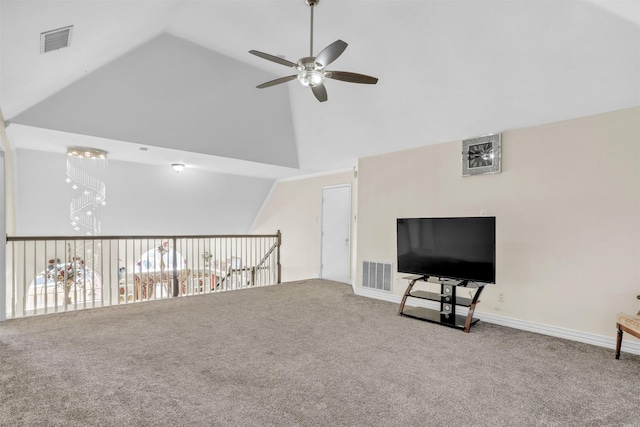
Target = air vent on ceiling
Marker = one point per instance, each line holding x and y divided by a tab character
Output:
55	39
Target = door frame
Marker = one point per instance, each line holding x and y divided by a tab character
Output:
329	187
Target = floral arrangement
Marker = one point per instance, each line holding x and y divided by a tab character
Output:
163	248
160	257
206	256
66	274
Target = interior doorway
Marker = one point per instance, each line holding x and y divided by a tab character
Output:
336	233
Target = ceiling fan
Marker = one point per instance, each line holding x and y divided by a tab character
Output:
311	69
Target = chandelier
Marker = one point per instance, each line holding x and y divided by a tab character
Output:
85	174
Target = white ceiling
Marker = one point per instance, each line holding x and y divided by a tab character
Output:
448	70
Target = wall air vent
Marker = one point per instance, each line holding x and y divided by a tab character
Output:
376	275
55	39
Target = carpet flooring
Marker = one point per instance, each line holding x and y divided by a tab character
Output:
307	353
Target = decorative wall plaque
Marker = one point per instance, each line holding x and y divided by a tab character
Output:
482	155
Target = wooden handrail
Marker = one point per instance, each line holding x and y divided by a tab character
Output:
269	252
160	236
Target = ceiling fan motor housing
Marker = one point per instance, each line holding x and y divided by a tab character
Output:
308	63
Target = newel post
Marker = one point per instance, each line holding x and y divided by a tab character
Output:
175	286
278	266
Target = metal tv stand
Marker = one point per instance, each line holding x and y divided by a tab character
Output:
448	302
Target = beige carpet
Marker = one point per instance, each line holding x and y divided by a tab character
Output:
307	354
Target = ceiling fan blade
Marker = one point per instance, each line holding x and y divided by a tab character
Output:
331	53
351	77
276	81
273	58
320	92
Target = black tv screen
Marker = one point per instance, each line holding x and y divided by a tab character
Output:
455	248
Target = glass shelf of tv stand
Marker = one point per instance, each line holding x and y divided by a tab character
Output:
434	296
430	315
447	315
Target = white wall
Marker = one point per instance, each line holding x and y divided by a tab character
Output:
567	205
295	208
141	199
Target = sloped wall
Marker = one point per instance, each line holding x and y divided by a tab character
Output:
295	207
205	101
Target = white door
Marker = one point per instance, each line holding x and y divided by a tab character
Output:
336	233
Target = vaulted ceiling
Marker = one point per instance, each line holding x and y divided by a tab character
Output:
175	76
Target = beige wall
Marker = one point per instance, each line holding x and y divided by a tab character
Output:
568	218
567	205
294	207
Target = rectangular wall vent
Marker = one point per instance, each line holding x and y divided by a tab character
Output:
55	39
376	275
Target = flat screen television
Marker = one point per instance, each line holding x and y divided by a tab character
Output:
453	248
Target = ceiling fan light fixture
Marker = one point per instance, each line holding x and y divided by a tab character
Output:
310	70
311	78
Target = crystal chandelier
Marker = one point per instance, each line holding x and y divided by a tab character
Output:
85	174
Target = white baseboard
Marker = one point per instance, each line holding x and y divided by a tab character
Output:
372	293
554	331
